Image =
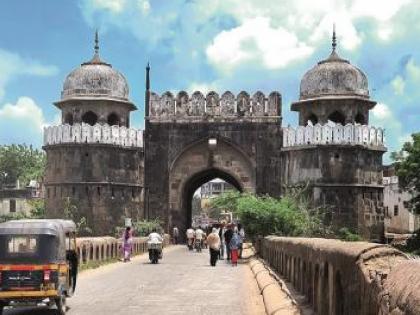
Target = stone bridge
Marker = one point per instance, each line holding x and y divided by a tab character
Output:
346	277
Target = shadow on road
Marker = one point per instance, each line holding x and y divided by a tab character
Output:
31	311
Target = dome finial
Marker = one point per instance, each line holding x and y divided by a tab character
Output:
334	39
96	42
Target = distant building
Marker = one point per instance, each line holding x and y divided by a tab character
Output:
399	221
214	188
14	199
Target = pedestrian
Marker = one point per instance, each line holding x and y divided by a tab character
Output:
222	231
234	247
127	244
241	233
228	236
175	235
213	241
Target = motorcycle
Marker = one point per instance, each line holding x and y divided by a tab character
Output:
155	252
197	245
190	244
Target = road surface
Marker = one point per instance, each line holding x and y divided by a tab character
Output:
182	283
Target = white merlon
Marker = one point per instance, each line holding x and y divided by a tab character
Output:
331	133
85	133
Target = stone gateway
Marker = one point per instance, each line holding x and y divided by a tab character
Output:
111	171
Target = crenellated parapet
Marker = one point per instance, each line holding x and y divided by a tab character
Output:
85	133
198	106
331	133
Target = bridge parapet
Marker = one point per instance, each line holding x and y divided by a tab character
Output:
105	248
332	133
346	277
212	107
85	133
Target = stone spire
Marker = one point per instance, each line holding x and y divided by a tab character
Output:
96	42
147	92
96	59
334	39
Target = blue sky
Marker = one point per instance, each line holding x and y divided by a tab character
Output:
208	45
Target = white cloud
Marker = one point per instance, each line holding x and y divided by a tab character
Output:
381	111
12	65
21	122
398	85
256	40
115	6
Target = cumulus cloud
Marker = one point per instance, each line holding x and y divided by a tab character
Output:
114	6
12	65
256	40
21	122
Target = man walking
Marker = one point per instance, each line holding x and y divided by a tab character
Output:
213	241
228	236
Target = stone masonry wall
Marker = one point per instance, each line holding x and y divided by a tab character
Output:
346	277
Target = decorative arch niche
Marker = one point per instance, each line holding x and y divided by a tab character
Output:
90	118
312	118
360	119
337	117
68	119
113	119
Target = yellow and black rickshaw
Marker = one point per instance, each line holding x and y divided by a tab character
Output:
38	263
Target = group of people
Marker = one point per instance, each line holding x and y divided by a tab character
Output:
222	239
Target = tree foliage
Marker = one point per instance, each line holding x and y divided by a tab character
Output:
264	215
20	162
408	169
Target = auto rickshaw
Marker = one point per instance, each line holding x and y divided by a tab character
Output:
38	263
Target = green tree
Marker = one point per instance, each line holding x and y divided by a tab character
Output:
20	162
264	215
408	170
37	208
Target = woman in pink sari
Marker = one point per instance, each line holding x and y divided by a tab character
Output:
127	244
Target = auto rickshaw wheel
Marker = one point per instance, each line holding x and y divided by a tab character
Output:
61	305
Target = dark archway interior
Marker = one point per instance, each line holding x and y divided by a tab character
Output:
337	117
90	118
113	119
197	181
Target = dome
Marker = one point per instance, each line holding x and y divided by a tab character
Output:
95	79
334	77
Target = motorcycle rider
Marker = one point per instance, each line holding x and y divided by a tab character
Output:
154	237
199	237
190	238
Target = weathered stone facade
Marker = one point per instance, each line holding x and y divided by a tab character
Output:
182	152
94	160
191	139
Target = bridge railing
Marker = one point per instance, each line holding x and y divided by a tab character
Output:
99	249
346	277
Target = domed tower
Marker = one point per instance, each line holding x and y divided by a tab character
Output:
334	90
334	151
94	159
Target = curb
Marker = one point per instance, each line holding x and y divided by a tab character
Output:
277	299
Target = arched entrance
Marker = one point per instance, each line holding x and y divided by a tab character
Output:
199	163
197	181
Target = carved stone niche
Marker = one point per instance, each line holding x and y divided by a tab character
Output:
154	105
197	105
258	104
227	104
212	104
182	104
167	105
244	104
274	104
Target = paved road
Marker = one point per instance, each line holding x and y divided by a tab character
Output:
183	283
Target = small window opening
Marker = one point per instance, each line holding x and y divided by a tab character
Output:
12	206
337	117
90	118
